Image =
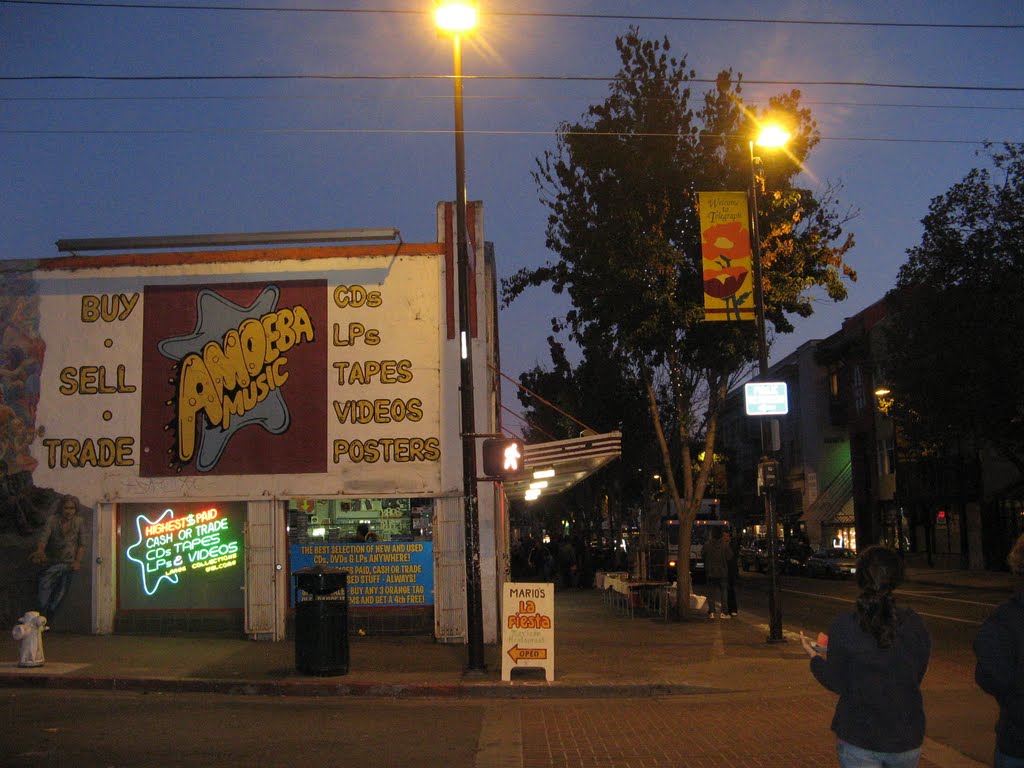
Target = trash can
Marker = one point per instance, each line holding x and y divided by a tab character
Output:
321	621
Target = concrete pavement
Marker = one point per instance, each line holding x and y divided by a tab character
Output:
599	653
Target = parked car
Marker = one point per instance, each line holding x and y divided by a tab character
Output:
754	554
794	557
832	563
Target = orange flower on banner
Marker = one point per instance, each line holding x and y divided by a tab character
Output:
728	240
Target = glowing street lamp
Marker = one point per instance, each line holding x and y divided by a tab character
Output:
458	18
770	136
455	17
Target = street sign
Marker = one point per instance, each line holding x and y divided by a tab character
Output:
766	398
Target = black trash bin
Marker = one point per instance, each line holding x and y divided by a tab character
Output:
321	621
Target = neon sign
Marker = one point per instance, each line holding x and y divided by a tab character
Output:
171	546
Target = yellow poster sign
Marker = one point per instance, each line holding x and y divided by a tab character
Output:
725	248
528	628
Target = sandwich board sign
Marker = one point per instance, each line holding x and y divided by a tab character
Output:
528	628
766	398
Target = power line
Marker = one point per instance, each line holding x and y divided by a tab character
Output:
468	97
429	132
519	14
494	78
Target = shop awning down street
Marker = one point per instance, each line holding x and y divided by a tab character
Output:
558	465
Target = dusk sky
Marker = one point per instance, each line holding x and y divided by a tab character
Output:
151	120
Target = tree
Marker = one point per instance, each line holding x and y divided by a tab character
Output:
620	188
955	335
598	393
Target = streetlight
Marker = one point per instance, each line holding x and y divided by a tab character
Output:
770	136
457	18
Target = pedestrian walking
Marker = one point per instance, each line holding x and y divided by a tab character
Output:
733	571
999	648
875	659
716	556
60	546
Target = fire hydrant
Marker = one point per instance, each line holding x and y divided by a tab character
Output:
29	632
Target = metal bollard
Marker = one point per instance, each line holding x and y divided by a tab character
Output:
29	632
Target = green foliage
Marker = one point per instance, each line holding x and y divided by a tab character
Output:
621	189
956	328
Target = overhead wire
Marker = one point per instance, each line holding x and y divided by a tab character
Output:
514	14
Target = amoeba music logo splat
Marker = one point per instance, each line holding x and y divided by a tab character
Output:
171	546
231	370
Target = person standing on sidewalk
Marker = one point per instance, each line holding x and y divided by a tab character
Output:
733	572
999	648
876	658
716	554
61	546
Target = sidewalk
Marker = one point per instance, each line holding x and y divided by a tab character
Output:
599	653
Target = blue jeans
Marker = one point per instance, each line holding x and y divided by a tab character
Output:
1002	760
53	585
857	757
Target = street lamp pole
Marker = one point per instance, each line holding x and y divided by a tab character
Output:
774	598
462	19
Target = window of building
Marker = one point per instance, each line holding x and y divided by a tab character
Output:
384	545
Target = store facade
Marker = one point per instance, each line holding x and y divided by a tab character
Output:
227	417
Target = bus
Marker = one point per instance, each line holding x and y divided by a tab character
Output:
708	517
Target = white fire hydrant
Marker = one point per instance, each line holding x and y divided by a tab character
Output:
29	632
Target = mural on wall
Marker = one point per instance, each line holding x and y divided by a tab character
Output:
24	508
21	358
234	379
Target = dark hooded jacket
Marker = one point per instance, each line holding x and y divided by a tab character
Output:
999	648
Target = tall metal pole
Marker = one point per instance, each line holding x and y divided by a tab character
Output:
474	596
774	598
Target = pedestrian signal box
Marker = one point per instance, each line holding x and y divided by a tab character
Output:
768	475
503	457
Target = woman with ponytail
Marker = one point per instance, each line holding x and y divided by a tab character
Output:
875	659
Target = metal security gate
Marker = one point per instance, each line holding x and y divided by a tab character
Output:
449	571
266	577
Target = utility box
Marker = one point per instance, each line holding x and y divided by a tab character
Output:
321	621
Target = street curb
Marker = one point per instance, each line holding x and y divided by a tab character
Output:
488	690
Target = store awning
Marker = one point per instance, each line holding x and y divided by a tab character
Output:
556	466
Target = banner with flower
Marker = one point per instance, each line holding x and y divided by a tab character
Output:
725	247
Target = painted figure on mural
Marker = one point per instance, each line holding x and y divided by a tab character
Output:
60	549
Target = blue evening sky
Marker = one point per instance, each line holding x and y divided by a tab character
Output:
106	157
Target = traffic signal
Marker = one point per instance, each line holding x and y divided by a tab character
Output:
503	457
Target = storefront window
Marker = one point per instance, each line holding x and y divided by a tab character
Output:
181	556
385	545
